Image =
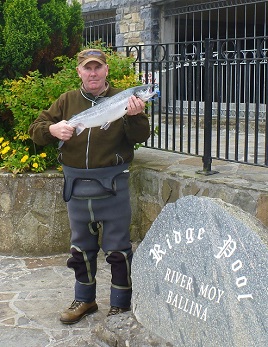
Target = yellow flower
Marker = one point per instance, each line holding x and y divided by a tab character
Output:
35	165
43	155
1	139
23	137
24	158
14	151
5	150
4	144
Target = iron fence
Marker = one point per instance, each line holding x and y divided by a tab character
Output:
213	97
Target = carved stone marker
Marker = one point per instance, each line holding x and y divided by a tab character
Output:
200	276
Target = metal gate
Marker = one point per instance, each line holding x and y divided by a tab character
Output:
213	97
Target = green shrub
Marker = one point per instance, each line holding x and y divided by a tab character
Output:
26	97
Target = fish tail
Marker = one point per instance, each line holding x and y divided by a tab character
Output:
61	143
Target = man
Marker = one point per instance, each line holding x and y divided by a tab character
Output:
95	166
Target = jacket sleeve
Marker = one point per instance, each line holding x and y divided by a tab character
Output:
39	129
137	128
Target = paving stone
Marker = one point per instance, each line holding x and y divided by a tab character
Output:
35	290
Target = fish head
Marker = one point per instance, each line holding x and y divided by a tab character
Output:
144	92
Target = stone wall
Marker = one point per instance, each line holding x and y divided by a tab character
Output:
160	177
33	215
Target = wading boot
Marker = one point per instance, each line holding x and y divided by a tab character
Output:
116	310
77	311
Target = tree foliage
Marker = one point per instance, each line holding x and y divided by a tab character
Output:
24	33
34	32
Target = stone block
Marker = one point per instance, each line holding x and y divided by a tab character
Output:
262	208
200	276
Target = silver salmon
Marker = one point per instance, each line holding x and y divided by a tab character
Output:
109	110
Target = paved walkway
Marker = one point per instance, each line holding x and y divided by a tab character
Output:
33	292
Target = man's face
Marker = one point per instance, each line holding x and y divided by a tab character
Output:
93	76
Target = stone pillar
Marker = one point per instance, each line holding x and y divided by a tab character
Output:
129	26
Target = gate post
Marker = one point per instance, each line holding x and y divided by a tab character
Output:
207	159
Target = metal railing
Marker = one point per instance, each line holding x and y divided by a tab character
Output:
213	98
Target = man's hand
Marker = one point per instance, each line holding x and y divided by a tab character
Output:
135	106
61	130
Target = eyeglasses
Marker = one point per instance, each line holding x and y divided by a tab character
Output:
92	53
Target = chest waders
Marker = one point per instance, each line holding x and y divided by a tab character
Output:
99	198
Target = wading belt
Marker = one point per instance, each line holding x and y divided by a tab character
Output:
102	179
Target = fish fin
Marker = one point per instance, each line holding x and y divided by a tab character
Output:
61	143
106	125
80	128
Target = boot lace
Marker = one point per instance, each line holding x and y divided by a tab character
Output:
74	305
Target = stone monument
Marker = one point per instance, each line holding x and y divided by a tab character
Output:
200	276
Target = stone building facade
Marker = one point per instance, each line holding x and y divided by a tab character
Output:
136	21
159	21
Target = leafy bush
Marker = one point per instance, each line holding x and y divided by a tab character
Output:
24	98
